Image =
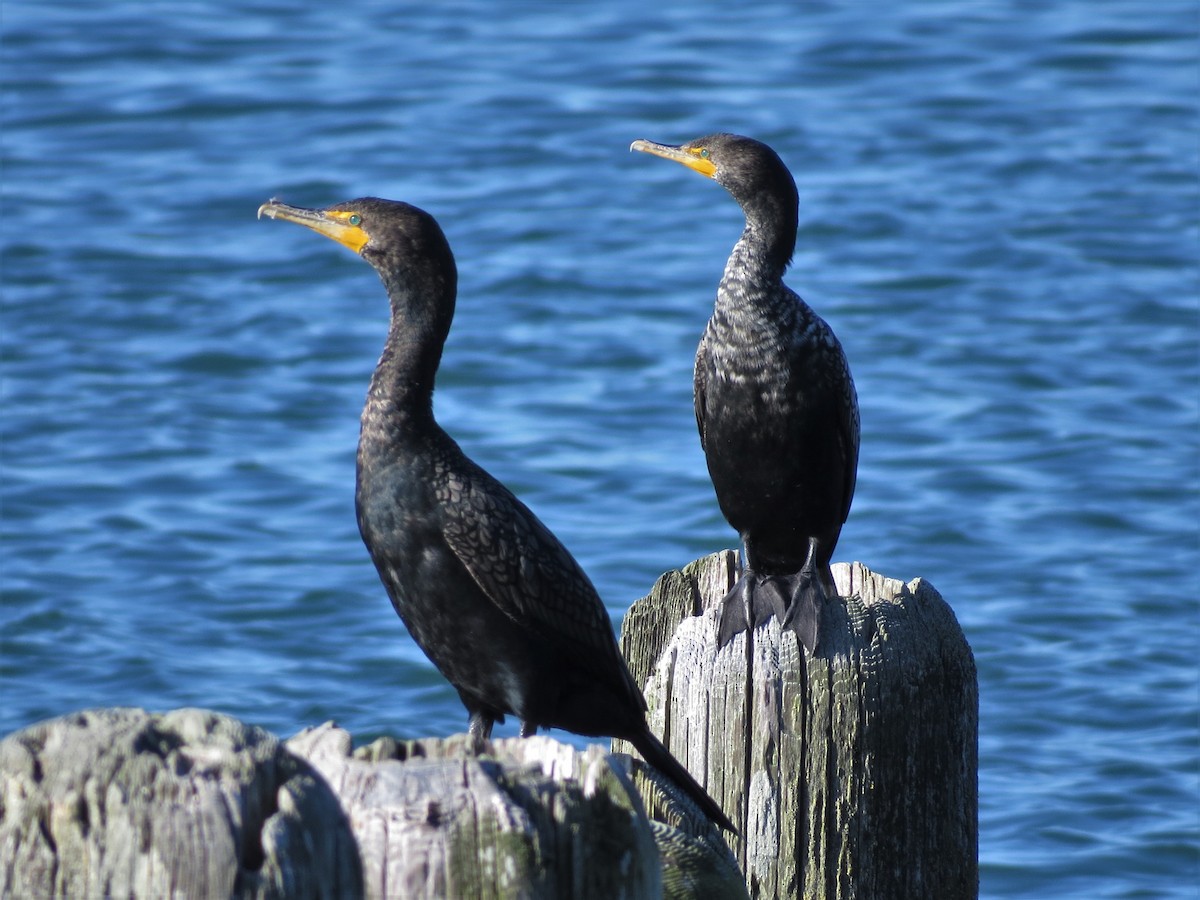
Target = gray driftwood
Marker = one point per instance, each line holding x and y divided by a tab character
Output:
530	818
121	802
851	773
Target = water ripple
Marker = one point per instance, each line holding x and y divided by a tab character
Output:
997	216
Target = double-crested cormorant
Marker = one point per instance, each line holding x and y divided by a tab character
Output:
775	403
491	596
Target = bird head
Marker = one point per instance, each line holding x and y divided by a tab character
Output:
388	234
403	243
753	173
743	166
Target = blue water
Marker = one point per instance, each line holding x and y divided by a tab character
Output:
998	216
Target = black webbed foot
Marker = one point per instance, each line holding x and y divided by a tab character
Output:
749	603
735	610
796	600
803	614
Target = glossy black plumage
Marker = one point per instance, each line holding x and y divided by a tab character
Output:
488	593
775	403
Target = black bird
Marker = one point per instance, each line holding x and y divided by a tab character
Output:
488	593
775	403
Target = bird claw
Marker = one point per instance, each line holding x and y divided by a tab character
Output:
803	614
749	603
736	614
794	600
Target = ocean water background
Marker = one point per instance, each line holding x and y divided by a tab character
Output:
998	216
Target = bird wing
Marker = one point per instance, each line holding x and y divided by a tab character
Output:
522	567
848	435
838	408
843	411
700	388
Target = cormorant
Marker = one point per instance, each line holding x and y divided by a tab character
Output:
775	403
488	593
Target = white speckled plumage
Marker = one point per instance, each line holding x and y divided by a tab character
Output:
775	403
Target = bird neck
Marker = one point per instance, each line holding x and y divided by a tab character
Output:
772	211
753	274
400	397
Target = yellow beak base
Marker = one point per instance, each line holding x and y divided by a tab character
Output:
333	223
688	156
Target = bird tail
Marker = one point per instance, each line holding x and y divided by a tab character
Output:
657	755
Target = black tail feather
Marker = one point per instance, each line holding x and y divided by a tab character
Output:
657	755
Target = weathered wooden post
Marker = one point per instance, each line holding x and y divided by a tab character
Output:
124	803
531	818
191	803
851	773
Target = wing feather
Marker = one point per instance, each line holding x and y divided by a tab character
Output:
523	568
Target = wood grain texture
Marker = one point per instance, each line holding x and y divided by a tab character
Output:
529	818
121	802
125	803
851	773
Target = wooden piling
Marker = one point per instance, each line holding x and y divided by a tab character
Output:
191	803
851	773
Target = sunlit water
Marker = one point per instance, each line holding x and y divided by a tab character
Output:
998	216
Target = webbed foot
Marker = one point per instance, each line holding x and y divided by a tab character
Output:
803	613
749	603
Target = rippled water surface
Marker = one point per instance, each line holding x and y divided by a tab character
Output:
998	216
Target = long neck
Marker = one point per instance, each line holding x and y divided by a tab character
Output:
400	398
765	248
753	279
754	308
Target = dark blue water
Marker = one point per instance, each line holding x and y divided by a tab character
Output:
999	217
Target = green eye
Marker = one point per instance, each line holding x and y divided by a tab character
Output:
355	219
704	154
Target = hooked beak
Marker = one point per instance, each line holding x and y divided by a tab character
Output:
689	157
335	224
